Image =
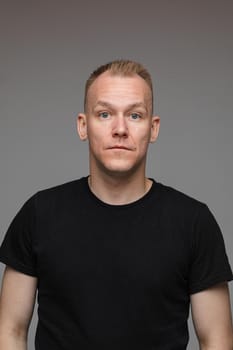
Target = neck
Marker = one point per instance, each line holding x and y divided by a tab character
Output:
117	190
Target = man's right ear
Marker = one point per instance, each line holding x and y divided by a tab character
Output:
82	126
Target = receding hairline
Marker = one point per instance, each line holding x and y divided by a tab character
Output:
123	68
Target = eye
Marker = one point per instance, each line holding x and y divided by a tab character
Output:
103	115
135	116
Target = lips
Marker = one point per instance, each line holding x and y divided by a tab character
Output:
120	147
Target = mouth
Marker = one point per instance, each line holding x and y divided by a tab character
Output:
120	148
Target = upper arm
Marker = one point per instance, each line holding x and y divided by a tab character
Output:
17	301
211	313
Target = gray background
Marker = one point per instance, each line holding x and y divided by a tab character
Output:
48	48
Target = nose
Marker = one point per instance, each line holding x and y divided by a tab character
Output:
120	127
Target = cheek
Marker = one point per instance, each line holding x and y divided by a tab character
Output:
142	137
94	132
97	136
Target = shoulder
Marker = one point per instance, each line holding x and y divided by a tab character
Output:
176	198
62	190
179	208
60	195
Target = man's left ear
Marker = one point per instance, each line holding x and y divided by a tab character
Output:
82	126
155	124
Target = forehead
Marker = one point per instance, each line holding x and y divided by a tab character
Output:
119	88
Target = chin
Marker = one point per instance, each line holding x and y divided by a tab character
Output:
118	173
121	170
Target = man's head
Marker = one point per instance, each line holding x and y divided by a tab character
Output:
124	68
118	120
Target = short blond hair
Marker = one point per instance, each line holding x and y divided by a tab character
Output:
123	68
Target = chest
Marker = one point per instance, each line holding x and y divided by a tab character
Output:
121	250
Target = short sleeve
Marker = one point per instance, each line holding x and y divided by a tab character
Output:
209	263
17	249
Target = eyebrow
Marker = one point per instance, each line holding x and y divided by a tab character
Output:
131	106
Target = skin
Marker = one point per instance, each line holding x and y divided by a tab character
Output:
212	319
17	300
119	127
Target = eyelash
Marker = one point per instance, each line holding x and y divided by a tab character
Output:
137	114
101	115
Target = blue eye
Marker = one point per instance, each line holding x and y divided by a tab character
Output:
104	115
135	116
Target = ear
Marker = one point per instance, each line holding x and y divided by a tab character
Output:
82	126
155	124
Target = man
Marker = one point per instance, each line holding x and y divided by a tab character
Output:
116	257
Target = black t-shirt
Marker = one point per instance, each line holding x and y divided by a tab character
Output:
115	276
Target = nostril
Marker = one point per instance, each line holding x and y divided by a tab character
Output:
120	129
120	133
